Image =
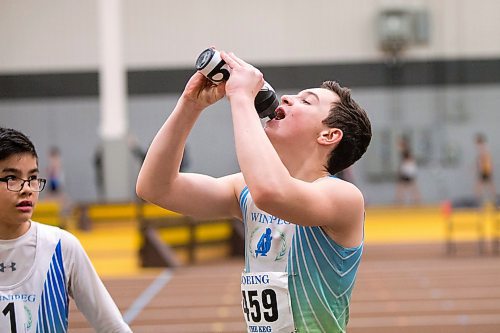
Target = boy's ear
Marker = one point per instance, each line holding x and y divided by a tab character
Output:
330	136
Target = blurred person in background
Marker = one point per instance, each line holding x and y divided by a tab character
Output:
56	184
140	154
135	148
406	186
55	172
99	172
485	187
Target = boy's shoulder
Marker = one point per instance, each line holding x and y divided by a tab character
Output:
49	232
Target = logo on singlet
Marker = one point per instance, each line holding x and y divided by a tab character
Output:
264	244
29	318
12	266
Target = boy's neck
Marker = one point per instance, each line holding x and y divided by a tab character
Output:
308	170
308	166
14	231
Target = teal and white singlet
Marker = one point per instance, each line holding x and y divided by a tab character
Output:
318	275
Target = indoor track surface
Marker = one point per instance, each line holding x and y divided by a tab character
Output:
406	283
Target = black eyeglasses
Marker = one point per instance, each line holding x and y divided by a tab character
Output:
15	184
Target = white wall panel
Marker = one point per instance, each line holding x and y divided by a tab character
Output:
61	35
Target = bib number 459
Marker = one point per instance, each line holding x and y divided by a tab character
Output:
257	307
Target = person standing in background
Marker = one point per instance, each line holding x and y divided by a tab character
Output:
407	175
99	172
56	185
55	172
484	165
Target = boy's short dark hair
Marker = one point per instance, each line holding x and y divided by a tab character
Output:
14	142
349	117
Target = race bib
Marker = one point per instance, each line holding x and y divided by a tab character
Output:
266	302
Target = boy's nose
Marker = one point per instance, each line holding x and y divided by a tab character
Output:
286	99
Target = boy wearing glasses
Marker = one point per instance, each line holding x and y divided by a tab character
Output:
41	266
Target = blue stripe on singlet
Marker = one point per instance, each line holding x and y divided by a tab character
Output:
54	302
244	208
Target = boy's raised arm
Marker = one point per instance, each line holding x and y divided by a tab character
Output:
160	181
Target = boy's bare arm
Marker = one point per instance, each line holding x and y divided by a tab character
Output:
160	181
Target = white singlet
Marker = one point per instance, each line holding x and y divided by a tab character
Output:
37	298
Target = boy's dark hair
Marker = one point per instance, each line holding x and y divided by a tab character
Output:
14	142
353	121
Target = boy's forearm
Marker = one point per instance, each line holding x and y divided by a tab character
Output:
259	161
